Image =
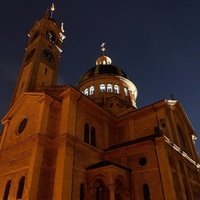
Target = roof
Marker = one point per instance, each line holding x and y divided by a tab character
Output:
135	141
106	163
102	69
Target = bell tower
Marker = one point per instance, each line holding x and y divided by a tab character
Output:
42	56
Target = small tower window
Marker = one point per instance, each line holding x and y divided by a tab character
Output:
91	90
102	88
86	92
51	36
109	88
20	187
126	91
116	89
146	192
7	190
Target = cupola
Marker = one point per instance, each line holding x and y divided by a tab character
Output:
108	86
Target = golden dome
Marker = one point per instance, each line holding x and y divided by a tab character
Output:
103	60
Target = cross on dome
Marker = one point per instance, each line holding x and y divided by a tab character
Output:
103	60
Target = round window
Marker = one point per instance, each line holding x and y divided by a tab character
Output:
22	125
142	161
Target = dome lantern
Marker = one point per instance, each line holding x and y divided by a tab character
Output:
103	60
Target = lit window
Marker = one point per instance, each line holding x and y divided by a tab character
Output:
109	88
86	91
102	88
91	90
116	89
126	91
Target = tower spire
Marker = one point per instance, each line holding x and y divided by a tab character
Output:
40	63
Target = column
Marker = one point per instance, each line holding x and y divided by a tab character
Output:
112	191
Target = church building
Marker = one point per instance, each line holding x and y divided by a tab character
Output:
90	141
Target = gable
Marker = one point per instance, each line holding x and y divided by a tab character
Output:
25	118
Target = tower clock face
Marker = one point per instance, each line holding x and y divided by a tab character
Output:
48	56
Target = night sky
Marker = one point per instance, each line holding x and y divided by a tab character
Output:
156	42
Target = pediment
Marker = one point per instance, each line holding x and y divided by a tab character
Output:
27	98
181	114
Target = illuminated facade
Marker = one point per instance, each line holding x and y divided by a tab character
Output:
91	142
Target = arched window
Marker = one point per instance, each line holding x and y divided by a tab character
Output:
126	91
7	190
91	90
86	92
21	187
146	192
81	191
102	88
86	133
116	89
89	135
51	36
101	192
109	88
93	137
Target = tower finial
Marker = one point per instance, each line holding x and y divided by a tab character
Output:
52	9
103	49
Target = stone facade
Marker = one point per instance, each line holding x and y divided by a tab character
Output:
62	143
